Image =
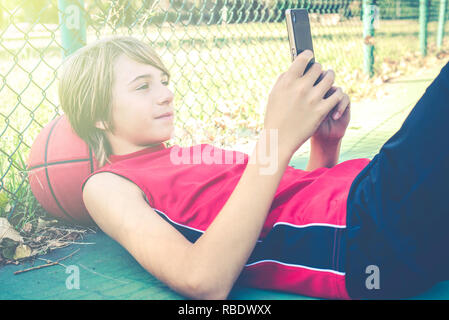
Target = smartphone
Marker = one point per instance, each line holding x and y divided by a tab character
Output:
299	35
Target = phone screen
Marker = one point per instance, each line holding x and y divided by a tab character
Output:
299	34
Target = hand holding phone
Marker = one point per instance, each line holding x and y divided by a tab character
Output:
295	97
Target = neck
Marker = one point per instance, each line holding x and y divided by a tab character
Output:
126	149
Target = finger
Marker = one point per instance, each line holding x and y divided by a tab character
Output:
329	92
299	65
313	74
342	107
330	102
325	85
322	75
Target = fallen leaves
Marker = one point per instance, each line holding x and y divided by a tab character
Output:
22	251
47	235
42	224
8	232
27	228
442	55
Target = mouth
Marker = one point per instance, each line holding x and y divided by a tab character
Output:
167	115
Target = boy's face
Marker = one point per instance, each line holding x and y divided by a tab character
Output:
140	95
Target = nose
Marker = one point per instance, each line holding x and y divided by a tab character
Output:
167	96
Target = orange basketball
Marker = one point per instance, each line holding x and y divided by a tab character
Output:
58	163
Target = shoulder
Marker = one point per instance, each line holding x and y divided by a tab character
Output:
112	201
110	182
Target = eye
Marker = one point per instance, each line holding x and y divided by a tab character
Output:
143	87
166	83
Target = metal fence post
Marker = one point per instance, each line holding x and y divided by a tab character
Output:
423	10
368	35
441	22
73	25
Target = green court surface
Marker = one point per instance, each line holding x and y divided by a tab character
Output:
107	271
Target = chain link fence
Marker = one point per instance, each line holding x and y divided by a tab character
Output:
224	57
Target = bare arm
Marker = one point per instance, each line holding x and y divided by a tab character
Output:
323	155
118	207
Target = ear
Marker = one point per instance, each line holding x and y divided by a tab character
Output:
100	125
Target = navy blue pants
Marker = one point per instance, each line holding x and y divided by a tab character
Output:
397	236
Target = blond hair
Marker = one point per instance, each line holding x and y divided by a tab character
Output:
85	87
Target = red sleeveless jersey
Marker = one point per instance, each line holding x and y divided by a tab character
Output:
299	249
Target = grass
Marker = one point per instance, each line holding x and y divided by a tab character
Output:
221	77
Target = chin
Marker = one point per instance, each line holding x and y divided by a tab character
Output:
172	135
